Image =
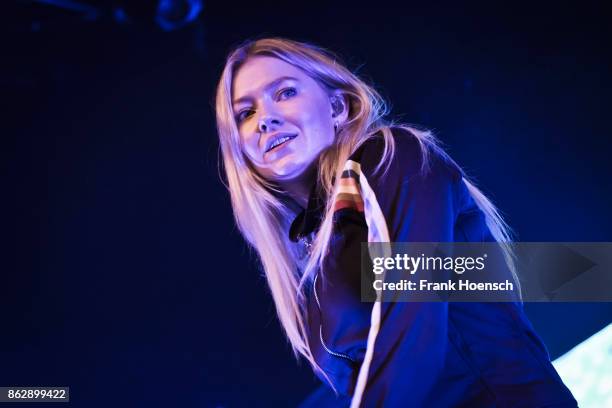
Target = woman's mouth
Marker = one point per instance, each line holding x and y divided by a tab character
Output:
279	141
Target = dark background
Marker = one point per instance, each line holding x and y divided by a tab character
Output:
122	274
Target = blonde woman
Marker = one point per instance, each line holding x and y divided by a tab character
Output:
313	170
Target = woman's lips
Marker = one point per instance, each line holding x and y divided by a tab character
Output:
284	140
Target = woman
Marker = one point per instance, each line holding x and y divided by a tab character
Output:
313	170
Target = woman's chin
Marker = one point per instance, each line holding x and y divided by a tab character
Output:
286	174
289	171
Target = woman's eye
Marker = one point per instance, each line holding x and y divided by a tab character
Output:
243	115
286	93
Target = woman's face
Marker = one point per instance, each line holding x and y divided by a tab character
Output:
284	117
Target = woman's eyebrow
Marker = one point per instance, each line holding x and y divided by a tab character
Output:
266	88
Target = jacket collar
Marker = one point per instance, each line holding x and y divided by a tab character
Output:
309	218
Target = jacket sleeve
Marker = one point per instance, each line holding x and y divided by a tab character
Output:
409	350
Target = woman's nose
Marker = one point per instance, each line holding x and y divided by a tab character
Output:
268	123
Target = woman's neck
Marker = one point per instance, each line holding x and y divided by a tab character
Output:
299	189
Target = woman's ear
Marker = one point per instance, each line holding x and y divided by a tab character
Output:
339	107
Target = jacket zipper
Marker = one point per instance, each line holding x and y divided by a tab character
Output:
330	351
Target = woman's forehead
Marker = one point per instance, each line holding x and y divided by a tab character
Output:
259	66
258	72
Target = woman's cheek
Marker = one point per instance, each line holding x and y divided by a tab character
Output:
252	152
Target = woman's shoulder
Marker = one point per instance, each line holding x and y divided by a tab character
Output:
411	156
406	142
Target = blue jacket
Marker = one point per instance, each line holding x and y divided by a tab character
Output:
425	354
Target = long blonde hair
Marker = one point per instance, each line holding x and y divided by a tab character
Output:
264	219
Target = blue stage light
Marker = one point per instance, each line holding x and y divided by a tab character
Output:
174	14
